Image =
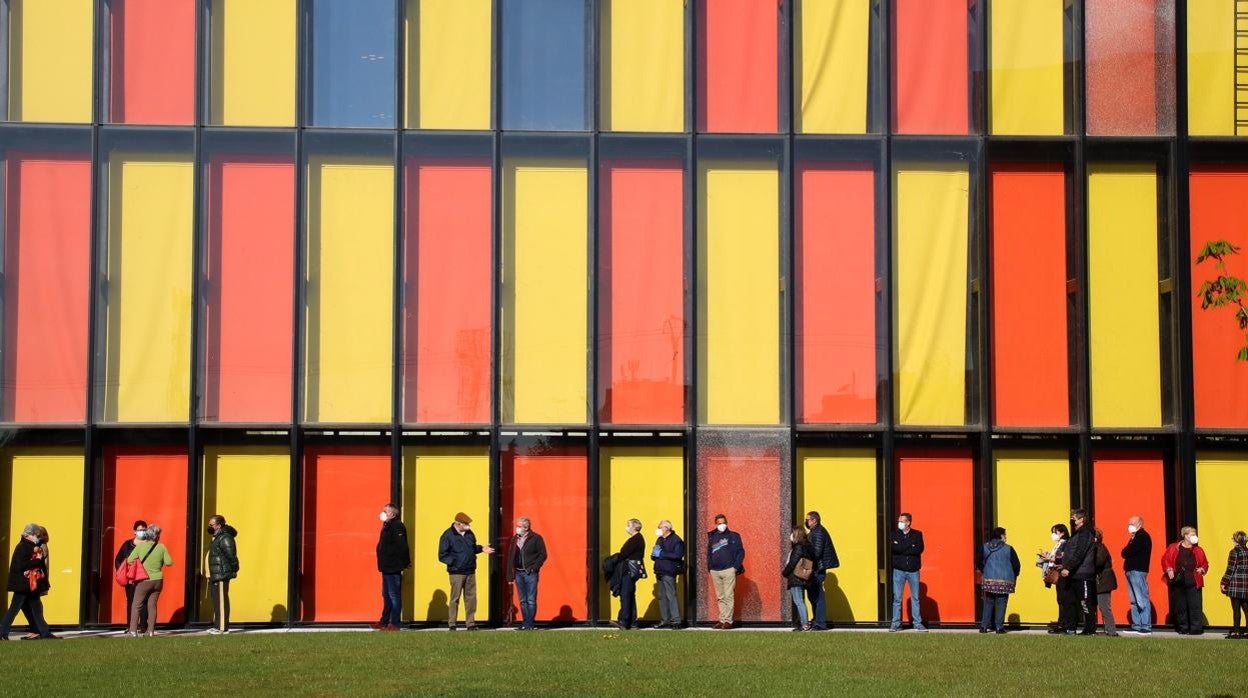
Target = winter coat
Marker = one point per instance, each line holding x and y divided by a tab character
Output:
822	548
223	555
393	555
1106	579
1235	581
1171	556
458	552
22	561
796	553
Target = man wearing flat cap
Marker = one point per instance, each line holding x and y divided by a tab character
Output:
458	550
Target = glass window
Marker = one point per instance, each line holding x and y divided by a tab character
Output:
352	78
1214	83
47	272
1129	67
50	47
937	488
546	63
251	68
1030	488
1030	59
843	484
935	49
450	57
151	61
643	65
1220	482
836	66
1133	483
738	66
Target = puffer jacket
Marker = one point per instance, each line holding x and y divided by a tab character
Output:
822	549
223	555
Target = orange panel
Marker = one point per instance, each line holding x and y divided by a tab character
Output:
1029	352
1121	65
737	59
153	61
642	312
46	271
447	312
343	491
550	486
1126	485
148	484
836	338
1219	197
937	489
930	65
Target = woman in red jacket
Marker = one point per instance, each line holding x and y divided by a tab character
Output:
1185	566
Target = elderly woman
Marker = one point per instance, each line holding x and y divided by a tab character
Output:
28	581
1235	583
1185	566
154	557
1067	597
630	555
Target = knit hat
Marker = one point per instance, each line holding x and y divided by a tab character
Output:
463	518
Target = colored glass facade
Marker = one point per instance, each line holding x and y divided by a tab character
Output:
589	260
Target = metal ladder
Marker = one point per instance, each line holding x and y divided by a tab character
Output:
1241	67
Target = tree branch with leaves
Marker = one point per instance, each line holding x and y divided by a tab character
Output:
1225	289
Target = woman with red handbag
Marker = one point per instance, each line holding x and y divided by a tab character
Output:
127	547
152	557
28	581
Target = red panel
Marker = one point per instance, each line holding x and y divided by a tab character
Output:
737	59
642	314
836	339
343	491
153	61
250	266
930	67
448	306
550	487
1126	485
1219	212
148	484
743	484
1121	65
937	489
1029	352
47	231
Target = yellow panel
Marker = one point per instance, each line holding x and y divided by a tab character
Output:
1211	67
250	487
253	62
27	478
50	47
148	320
1027	67
643	65
831	65
840	484
449	72
437	484
350	292
930	238
1221	480
1125	320
647	484
1032	493
739	294
545	287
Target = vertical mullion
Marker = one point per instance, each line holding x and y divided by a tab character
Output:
887	484
398	281
497	565
1181	170
593	16
1079	485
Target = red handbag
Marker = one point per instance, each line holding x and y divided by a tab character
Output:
133	571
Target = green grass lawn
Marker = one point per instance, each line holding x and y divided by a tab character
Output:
588	662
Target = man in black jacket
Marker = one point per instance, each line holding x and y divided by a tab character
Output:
525	557
1079	563
907	549
821	546
668	555
393	556
458	550
1136	556
222	567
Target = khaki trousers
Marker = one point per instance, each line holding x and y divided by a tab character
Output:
466	585
725	585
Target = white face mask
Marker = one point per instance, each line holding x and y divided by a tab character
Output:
721	527
792	539
1055	536
519	531
1193	539
902	525
1132	529
658	532
467	527
382	516
628	530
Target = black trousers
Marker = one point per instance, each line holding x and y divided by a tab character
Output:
220	604
1187	607
1238	605
1087	604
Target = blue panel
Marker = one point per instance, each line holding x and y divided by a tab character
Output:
544	86
353	44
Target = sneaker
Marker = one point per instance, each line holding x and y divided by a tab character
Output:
471	628
718	626
661	624
451	628
376	626
800	628
1000	631
920	629
984	631
214	631
1145	631
894	629
806	628
618	626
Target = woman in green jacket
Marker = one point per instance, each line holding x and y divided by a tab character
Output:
155	557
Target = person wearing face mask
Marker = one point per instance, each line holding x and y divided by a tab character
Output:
458	550
629	558
668	555
1137	554
725	559
825	559
140	533
222	567
800	550
526	553
154	557
28	582
997	561
393	557
1185	566
1106	583
1067	600
1079	566
907	548
1235	583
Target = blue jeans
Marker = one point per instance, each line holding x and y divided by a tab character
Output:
526	586
628	602
818	599
799	600
1141	607
899	584
993	617
391	599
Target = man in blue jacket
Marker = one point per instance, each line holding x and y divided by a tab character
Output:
668	555
725	559
458	550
